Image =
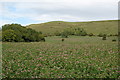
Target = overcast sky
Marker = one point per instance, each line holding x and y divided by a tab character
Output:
38	11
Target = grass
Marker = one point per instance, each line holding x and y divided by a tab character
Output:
0	60
95	27
76	57
0	35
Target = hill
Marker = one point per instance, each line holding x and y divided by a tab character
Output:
95	27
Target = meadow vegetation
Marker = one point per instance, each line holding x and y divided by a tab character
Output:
109	27
75	57
69	50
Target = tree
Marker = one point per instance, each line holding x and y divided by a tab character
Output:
9	35
18	33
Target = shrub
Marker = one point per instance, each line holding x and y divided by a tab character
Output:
64	34
91	34
63	40
111	34
57	33
18	33
102	35
41	38
9	35
73	31
104	38
115	34
80	32
114	40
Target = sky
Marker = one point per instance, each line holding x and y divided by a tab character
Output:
27	12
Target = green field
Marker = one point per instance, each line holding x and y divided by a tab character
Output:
76	57
95	27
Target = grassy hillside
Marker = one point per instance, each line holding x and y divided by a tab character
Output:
96	27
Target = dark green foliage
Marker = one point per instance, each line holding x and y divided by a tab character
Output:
113	35
73	31
110	35
64	35
57	33
70	31
80	32
104	37
63	40
40	38
18	33
100	35
9	35
91	34
48	34
114	40
16	27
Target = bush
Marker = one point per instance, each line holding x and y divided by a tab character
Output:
102	35
73	31
115	34
104	38
91	34
18	33
64	34
9	35
57	33
111	35
63	40
41	38
80	32
114	40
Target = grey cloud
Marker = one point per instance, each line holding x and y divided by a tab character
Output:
66	8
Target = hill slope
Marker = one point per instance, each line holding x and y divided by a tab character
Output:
96	27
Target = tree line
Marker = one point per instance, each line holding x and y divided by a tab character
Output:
19	33
79	32
71	31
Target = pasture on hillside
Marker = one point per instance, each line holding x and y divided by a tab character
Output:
75	57
95	27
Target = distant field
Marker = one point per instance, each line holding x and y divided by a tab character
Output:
95	27
76	57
